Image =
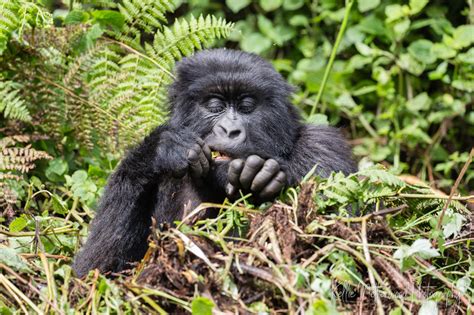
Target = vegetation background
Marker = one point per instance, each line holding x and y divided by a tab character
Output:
81	81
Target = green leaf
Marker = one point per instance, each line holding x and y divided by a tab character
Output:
56	169
377	175
467	57
463	36
270	5
318	119
9	257
463	85
452	224
366	5
256	43
422	50
237	5
421	247
76	17
417	5
463	284
410	64
202	306
110	18
443	51
79	176
428	308
420	102
18	224
395	12
290	5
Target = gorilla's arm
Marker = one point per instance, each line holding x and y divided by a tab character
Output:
120	229
323	146
121	226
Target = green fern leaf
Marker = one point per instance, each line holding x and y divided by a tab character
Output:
11	104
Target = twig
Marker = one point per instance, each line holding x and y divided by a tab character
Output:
455	187
30	286
16	293
398	278
365	247
433	196
317	253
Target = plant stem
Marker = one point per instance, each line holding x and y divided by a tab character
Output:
333	55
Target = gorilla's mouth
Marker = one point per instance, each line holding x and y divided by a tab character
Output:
220	156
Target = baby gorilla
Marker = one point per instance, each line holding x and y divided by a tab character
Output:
232	127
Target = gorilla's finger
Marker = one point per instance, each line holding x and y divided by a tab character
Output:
194	164
204	163
233	174
230	190
268	171
274	187
253	164
205	148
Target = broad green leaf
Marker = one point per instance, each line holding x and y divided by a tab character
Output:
417	5
270	5
18	224
464	283
237	5
428	308
9	257
321	307
202	306
76	17
420	102
467	57
256	43
79	176
452	224
290	5
421	247
318	119
110	18
400	28
395	12
463	85
366	5
463	36
56	169
410	64
422	50
443	51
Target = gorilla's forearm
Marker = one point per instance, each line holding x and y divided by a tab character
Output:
323	146
121	226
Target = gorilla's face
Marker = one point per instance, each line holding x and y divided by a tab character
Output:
237	103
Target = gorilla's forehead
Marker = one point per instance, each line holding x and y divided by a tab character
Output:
230	84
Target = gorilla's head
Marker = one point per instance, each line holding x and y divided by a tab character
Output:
236	102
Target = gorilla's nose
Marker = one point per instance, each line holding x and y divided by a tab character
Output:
229	130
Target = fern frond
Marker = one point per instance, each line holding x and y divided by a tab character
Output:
142	16
16	15
20	159
184	37
11	104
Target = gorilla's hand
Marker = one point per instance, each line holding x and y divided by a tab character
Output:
181	154
263	178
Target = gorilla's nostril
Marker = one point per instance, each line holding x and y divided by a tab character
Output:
234	134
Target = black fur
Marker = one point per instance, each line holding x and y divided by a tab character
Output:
171	169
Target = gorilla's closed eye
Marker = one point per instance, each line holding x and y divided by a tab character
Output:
247	105
215	105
